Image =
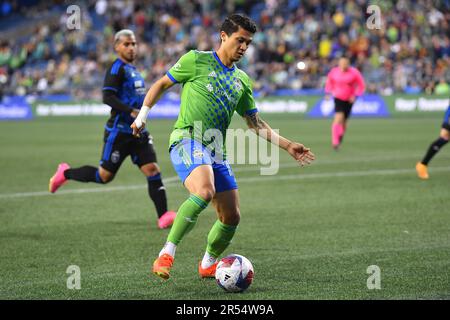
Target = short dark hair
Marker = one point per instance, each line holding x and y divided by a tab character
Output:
233	22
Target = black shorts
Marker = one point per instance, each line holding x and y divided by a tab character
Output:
446	121
446	126
117	146
343	106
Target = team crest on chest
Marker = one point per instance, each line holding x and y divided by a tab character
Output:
237	85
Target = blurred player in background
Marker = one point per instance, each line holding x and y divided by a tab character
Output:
345	84
444	136
213	89
124	91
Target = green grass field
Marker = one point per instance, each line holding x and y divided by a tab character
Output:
311	232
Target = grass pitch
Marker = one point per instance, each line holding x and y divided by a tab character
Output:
311	233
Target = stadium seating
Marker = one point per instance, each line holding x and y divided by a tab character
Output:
409	54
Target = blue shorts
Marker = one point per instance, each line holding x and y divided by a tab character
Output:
188	154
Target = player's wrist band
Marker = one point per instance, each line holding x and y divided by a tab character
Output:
142	116
138	123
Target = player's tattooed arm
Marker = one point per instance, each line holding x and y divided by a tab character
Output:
255	122
262	128
298	151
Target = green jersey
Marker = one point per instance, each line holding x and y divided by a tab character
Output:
211	94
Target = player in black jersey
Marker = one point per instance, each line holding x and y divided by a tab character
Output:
124	92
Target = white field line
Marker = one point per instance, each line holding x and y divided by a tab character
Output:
343	174
293	164
248	168
82	190
172	181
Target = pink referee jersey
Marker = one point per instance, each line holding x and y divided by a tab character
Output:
344	85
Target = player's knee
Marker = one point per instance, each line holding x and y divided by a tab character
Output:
207	192
105	176
235	219
151	169
445	135
232	218
107	179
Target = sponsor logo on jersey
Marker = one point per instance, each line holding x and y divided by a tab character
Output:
222	93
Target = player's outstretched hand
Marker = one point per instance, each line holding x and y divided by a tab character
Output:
300	153
137	130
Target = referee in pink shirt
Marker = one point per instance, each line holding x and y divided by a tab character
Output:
345	84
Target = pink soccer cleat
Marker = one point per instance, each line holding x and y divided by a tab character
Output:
166	220
58	178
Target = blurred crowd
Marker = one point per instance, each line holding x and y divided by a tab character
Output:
297	43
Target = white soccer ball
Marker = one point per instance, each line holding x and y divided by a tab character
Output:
234	273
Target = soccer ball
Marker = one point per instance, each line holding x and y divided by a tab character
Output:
234	273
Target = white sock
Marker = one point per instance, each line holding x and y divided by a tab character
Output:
208	260
168	248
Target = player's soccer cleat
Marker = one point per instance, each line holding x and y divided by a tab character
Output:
166	220
58	178
162	265
208	272
422	171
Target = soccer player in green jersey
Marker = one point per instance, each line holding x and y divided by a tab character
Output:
213	89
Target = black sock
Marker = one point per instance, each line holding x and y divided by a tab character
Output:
433	149
157	193
83	174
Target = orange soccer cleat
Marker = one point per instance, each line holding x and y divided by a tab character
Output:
208	272
162	265
422	171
